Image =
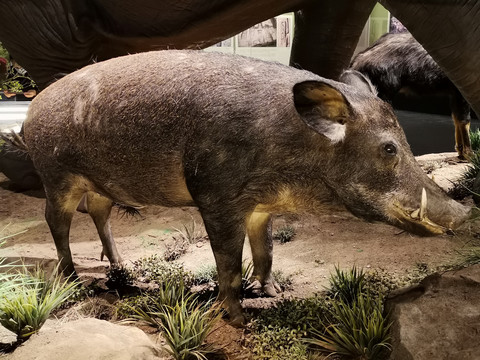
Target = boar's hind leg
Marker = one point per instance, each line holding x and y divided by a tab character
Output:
99	208
60	206
259	230
227	236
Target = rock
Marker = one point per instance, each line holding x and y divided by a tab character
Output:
6	337
87	338
439	319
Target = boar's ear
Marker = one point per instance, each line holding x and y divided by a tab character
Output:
358	81
322	108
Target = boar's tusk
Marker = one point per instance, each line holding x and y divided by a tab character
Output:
423	205
421	213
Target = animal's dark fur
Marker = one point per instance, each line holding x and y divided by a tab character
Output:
397	62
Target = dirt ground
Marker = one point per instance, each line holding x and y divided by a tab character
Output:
320	242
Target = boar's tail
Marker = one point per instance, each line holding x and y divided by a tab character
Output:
14	143
128	211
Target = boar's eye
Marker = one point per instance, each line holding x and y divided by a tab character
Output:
390	149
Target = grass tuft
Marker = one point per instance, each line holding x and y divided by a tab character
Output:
184	322
285	234
358	329
346	286
25	308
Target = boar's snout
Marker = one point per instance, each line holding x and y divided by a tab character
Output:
435	214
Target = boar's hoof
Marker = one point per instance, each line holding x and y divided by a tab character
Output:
238	321
270	288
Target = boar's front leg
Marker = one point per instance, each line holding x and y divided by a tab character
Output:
99	209
259	230
227	236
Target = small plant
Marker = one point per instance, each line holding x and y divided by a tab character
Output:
119	276
358	329
247	272
9	280
470	256
206	274
155	270
284	281
26	307
280	344
379	283
185	327
285	234
346	286
247	269
464	185
148	308
184	322
475	139
176	249
277	333
189	233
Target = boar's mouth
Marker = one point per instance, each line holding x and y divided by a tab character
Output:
416	221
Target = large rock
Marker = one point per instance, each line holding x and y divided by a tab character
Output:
439	319
89	339
6	337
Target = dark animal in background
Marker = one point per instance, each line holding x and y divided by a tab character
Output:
236	137
397	62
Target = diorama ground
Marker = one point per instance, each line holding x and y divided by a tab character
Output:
320	243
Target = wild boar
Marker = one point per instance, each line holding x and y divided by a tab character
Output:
398	63
238	138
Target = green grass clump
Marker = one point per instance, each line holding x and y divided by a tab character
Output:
358	329
185	327
25	307
278	333
205	274
184	322
279	343
346	285
475	139
464	185
189	232
285	234
139	307
347	320
155	270
468	256
355	325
